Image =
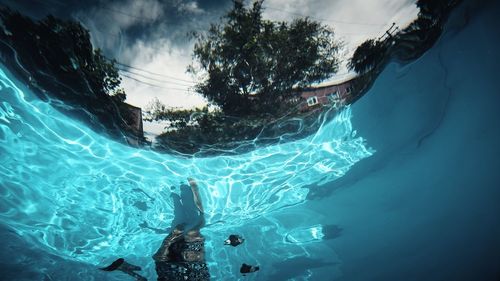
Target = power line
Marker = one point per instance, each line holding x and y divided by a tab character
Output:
152	73
116	11
267	7
328	20
155	86
155	79
178	23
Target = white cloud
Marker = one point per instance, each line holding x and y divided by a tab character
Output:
354	21
167	51
163	58
190	7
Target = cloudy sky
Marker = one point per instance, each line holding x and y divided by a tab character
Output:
152	35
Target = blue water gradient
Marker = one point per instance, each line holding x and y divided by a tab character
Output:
81	196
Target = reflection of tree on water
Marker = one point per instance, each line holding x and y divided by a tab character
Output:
407	44
252	68
264	97
181	255
56	59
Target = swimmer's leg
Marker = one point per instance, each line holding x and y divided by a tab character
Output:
199	205
196	195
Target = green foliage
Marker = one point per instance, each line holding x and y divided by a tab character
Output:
104	74
177	118
252	64
68	42
58	61
367	56
431	7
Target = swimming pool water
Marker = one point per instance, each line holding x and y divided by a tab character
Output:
407	175
82	196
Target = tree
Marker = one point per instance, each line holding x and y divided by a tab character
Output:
68	42
431	7
104	73
177	118
367	56
252	64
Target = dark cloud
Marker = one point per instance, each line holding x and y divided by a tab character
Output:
40	8
117	24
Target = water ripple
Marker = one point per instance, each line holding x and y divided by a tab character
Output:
82	196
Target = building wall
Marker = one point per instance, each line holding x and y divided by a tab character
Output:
322	94
134	120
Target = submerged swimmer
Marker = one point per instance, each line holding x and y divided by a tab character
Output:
181	255
234	240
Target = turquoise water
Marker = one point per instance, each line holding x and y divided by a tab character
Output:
81	196
407	177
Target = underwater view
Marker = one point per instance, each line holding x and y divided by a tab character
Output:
276	156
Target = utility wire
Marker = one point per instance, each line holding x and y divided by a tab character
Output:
266	7
328	20
152	73
155	79
116	11
156	86
179	23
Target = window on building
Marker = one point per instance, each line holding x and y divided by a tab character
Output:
333	97
312	101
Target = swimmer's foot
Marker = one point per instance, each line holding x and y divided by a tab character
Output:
246	268
113	266
121	265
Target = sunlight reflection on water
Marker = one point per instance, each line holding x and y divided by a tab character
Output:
82	196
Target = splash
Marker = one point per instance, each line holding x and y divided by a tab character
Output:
82	196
